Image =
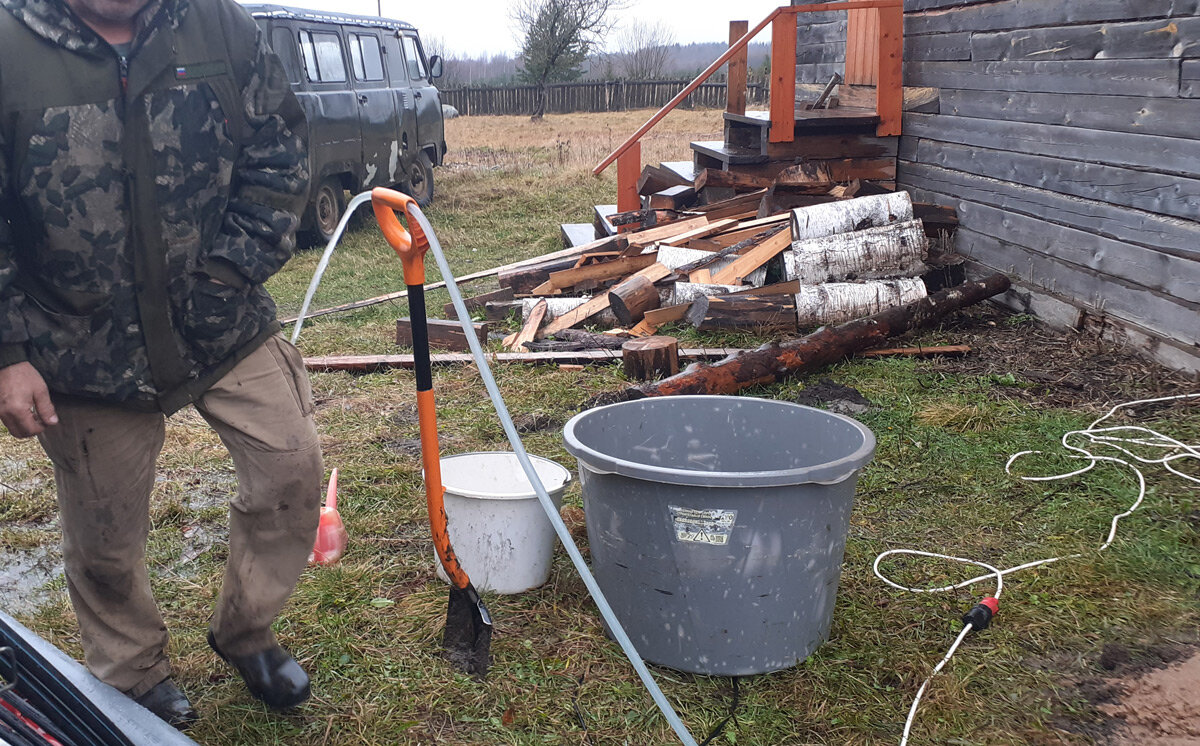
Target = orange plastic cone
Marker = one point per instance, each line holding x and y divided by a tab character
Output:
331	533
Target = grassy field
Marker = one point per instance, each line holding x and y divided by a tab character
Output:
369	628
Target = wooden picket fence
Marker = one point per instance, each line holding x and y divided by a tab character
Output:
606	95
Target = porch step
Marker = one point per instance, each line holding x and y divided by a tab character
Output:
727	155
600	220
686	171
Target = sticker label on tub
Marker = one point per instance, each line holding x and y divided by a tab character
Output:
702	526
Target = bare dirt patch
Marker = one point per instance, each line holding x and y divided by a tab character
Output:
1160	707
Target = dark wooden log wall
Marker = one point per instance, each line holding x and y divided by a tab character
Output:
1068	137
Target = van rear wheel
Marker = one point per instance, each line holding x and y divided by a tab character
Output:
420	179
327	208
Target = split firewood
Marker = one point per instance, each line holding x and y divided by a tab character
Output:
614	269
516	342
846	191
650	357
595	305
894	250
743	204
775	313
774	362
557	307
705	261
677	257
524	280
835	302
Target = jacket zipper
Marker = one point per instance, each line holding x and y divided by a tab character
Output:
123	61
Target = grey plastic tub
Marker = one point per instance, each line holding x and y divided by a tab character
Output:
717	524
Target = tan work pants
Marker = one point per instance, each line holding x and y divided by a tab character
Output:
104	464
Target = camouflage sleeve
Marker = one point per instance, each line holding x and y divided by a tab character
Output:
270	180
13	333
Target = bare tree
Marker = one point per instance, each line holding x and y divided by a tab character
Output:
559	34
644	50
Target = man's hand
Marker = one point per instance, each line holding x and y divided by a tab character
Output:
25	407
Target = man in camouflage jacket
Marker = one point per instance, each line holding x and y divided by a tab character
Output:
152	160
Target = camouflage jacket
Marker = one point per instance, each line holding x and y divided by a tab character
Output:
128	185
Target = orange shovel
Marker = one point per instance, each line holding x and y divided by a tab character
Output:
468	635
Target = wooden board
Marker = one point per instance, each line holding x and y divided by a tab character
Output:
1189	81
938	47
1169	235
443	335
1100	293
1135	40
1107	77
1145	152
1163	194
614	269
651	235
1013	14
1171	117
732	273
516	342
705	230
366	363
654	273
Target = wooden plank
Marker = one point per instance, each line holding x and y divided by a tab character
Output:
367	363
791	287
735	97
1170	117
1153	270
1106	77
1169	235
443	335
938	47
1145	152
705	230
1101	293
658	233
610	270
1189	82
654	273
1162	194
478	302
751	260
1022	14
1142	40
516	342
783	78
862	48
835	147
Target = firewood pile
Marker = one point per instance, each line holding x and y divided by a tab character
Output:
726	265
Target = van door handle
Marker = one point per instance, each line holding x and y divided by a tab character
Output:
362	98
416	94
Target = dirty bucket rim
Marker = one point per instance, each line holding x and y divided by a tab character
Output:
828	472
527	493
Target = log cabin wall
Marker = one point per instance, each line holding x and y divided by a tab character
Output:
1067	135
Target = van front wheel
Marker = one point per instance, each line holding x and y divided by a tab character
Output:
420	179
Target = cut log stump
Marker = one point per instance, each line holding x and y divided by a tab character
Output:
650	358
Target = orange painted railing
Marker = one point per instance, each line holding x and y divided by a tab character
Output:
883	19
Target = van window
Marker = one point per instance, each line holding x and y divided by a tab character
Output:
323	59
412	58
366	57
281	44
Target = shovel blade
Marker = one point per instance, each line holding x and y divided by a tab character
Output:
468	635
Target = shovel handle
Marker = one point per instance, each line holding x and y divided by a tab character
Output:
409	244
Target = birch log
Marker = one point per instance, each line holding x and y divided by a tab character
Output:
850	215
835	302
556	307
774	362
896	250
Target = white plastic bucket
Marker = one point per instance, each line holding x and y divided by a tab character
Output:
497	526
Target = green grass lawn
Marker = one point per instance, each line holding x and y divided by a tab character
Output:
369	628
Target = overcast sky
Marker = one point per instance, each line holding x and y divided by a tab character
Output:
470	28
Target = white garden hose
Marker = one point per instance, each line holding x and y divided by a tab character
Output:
514	439
1173	451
